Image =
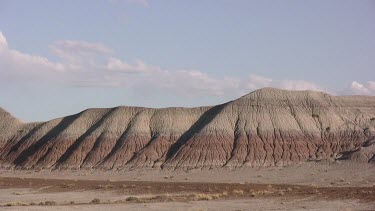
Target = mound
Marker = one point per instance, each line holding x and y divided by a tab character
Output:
267	127
8	126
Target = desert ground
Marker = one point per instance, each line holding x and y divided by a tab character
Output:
309	186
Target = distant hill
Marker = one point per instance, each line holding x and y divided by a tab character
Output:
267	127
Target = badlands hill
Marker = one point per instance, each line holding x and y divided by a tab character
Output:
267	127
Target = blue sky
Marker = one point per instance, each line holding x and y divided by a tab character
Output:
60	57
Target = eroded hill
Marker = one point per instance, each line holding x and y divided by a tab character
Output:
264	128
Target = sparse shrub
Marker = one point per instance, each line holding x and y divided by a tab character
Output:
47	203
106	202
369	192
238	192
207	197
11	204
104	186
218	195
203	196
118	201
99	187
169	199
50	203
32	204
132	199
261	192
95	201
158	197
109	186
67	185
17	193
314	191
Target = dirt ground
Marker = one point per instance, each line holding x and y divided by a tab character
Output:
323	186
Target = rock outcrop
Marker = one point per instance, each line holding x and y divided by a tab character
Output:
267	127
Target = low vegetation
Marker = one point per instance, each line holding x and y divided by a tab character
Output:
133	199
48	203
95	201
238	192
11	204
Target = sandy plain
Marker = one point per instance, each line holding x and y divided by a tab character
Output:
309	186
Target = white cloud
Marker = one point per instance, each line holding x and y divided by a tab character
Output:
3	41
362	89
79	52
93	64
193	82
115	64
371	85
15	64
298	85
256	81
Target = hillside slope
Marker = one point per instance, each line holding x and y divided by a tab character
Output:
264	128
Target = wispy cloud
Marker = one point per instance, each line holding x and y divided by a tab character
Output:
88	64
115	64
362	89
145	3
17	65
3	41
79	52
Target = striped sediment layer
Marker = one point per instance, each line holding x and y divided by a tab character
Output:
268	127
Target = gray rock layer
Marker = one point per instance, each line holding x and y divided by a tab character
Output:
267	127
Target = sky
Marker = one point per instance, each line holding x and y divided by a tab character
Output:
60	57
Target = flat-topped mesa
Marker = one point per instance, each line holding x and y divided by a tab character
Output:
279	97
267	127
